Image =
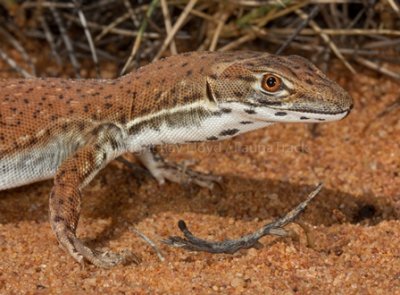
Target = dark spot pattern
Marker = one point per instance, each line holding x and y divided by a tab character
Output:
212	138
192	141
229	132
250	111
309	81
238	94
58	218
246	78
108	106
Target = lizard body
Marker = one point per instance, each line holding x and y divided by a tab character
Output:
70	129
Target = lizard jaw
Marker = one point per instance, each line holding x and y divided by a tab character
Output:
289	116
272	115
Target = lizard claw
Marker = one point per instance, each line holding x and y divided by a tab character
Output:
139	172
82	253
163	170
108	259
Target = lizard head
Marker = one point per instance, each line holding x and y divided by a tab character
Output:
280	89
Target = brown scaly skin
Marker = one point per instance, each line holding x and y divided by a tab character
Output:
69	129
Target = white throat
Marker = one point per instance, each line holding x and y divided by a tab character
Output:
228	122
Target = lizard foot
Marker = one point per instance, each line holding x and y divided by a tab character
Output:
163	170
139	173
106	259
180	173
193	243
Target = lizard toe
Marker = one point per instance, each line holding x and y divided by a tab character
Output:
185	176
106	259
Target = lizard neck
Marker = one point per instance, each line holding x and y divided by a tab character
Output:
196	122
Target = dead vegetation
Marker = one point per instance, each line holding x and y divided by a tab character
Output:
69	36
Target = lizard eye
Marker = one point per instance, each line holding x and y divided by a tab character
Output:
271	83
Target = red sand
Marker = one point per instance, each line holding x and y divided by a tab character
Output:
354	222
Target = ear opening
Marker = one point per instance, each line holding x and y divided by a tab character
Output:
210	94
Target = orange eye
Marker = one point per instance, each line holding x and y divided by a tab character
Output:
271	83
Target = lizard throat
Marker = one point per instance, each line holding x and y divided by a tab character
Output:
188	125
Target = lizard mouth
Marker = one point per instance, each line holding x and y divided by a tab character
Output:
323	112
303	115
328	109
319	112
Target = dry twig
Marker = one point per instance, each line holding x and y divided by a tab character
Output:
193	243
176	27
138	39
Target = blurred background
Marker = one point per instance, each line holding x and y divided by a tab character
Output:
109	38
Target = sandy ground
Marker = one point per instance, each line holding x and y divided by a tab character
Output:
354	222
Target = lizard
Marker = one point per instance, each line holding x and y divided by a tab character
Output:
70	129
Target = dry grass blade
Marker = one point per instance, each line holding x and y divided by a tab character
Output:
302	25
386	111
176	27
327	40
14	65
238	42
109	28
167	23
390	108
89	38
382	43
17	45
150	242
101	53
117	31
96	5
280	13
41	4
67	41
379	68
316	49
203	15
363	32
395	6
131	13
340	32
222	19
139	37
50	39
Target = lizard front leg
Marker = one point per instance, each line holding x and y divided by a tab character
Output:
65	198
163	170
